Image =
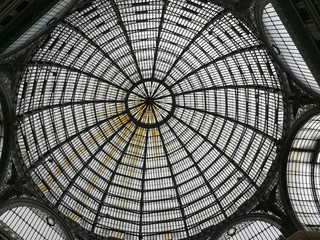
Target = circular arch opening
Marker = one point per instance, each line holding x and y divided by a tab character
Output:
251	227
300	171
28	219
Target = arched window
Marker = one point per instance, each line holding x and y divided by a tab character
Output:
251	227
285	50
28	220
301	172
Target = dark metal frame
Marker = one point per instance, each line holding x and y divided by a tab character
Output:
299	35
245	206
283	166
26	25
20	202
158	123
7	112
250	217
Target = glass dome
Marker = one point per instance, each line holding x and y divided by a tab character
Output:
139	119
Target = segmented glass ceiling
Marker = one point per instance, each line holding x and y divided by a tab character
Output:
284	47
144	118
302	174
24	222
253	228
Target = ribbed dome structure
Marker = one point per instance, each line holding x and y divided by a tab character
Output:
145	118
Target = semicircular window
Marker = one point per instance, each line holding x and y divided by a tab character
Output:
286	50
142	118
252	228
303	173
19	220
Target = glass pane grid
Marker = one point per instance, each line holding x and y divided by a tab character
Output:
285	48
145	118
302	174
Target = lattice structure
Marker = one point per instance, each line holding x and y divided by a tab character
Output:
254	227
153	119
301	170
285	49
27	220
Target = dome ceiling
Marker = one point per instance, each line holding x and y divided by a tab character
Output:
143	118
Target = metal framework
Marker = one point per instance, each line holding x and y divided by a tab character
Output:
6	115
149	119
252	226
26	219
285	50
20	31
300	171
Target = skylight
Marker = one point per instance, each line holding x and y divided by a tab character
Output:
149	118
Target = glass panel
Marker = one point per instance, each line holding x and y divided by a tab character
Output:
303	174
253	230
145	118
285	48
30	223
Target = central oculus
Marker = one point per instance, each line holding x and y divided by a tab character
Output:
150	103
